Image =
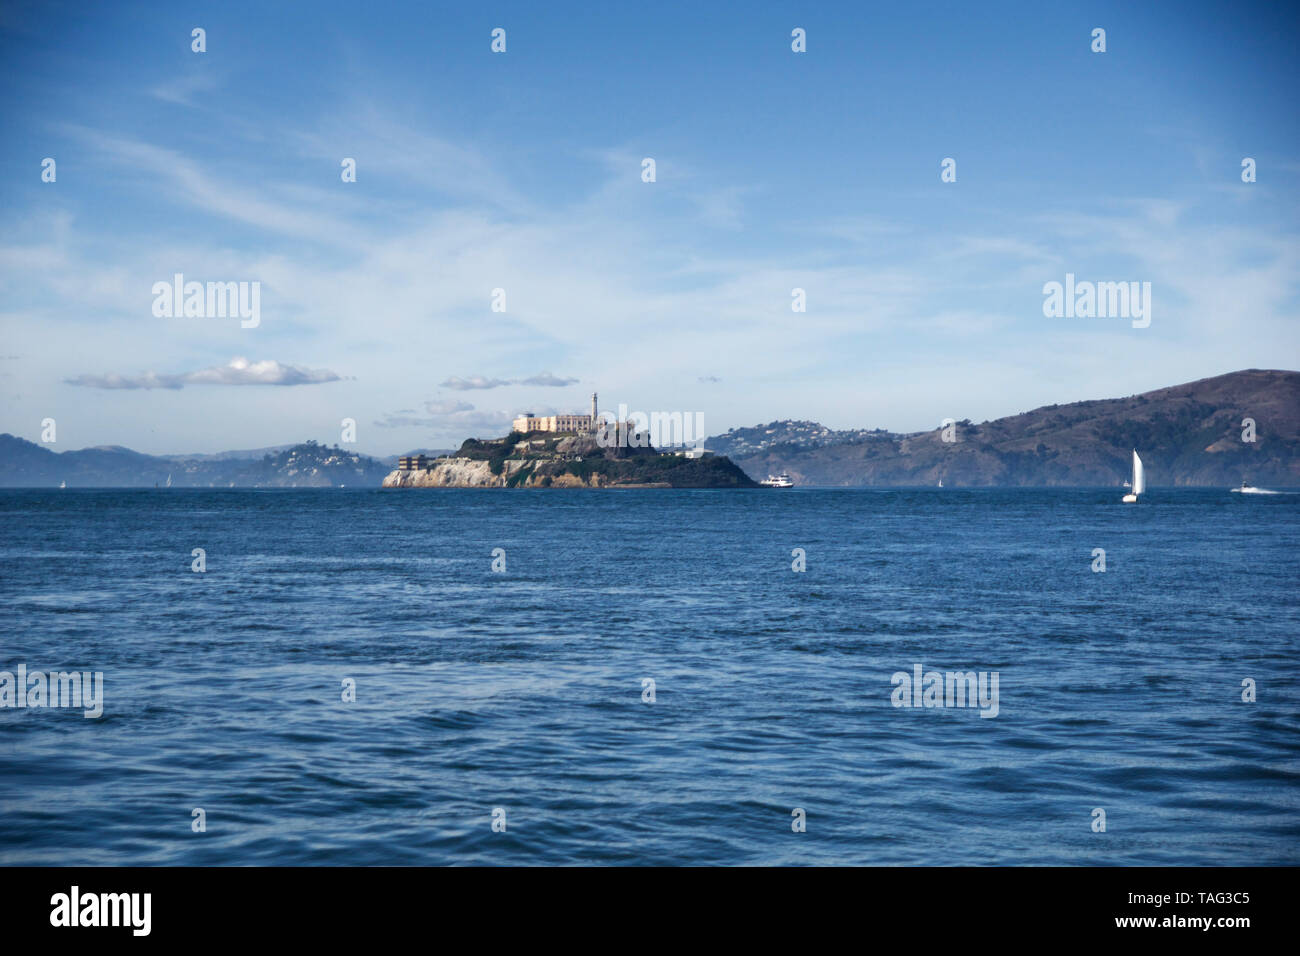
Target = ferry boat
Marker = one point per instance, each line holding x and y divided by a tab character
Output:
777	481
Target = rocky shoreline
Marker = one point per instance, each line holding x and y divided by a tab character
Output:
468	473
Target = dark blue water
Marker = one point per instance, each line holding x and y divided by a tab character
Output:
523	690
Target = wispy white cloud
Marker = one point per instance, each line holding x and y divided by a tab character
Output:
541	380
474	382
391	149
240	371
188	183
181	90
449	417
547	380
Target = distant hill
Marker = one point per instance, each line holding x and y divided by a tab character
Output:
747	442
24	464
237	453
1187	435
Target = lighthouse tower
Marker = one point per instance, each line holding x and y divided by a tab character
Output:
594	421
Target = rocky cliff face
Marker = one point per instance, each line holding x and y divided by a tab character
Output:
449	473
469	473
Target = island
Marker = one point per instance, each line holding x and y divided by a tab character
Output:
546	458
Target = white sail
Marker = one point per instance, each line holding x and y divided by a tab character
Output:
1139	477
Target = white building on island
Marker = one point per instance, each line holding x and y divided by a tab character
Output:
581	424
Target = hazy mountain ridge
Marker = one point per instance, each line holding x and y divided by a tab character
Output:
239	453
1188	434
25	464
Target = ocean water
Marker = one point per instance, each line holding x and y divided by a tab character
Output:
523	690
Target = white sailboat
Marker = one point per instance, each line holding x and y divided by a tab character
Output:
1139	481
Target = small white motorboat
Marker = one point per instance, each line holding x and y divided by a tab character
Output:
1247	489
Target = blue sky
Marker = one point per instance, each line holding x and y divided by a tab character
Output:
522	171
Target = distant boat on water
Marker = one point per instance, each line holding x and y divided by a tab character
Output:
1139	481
1247	489
169	480
64	484
940	482
777	481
